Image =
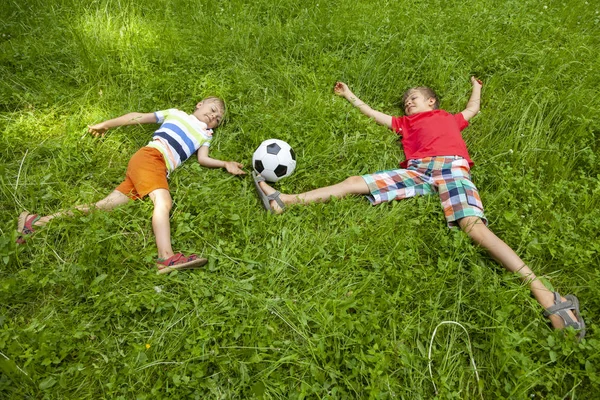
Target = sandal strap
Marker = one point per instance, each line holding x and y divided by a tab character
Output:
32	219
29	221
558	305
171	260
578	323
176	258
560	308
258	178
275	196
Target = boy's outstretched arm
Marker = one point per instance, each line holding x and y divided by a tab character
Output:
233	167
341	89
133	118
474	101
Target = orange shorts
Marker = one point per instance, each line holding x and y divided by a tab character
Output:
146	172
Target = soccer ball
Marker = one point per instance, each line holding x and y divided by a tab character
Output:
274	159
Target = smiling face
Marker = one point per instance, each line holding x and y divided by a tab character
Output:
210	111
415	101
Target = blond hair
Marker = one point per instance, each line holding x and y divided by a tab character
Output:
427	92
220	103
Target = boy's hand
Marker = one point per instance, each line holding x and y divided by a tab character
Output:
341	89
476	82
234	168
474	103
98	129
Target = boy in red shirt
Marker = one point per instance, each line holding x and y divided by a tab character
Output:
437	161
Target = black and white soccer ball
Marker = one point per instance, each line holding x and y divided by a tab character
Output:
274	159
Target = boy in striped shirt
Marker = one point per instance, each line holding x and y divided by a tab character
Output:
178	138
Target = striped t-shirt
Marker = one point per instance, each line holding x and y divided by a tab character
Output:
179	136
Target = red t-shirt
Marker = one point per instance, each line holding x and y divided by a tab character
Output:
431	133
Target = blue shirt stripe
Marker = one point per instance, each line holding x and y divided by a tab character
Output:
174	144
176	129
180	136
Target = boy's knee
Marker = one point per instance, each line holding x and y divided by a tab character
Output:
162	199
165	203
168	204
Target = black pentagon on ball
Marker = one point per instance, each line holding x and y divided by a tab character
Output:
258	166
273	148
280	171
293	154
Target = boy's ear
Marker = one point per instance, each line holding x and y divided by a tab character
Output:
198	105
431	101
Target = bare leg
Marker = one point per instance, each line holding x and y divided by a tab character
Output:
485	238
352	185
160	221
111	201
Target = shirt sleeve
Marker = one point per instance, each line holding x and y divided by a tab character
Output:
461	121
162	115
397	124
207	142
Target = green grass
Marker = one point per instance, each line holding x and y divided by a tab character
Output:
334	300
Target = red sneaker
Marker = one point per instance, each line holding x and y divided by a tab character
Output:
179	262
25	225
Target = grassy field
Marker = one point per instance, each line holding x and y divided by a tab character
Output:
328	301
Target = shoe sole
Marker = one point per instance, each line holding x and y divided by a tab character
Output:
577	314
180	267
261	195
22	220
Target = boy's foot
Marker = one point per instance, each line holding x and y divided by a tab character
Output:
25	225
271	198
561	309
179	262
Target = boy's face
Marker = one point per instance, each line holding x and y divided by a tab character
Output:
417	103
209	112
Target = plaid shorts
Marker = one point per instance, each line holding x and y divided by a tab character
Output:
449	176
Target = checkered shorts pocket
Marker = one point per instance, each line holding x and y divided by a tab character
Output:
471	194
